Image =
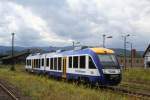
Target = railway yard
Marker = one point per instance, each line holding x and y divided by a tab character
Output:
134	86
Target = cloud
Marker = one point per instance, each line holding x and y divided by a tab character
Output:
115	17
21	20
50	22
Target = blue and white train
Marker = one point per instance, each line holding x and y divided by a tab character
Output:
92	65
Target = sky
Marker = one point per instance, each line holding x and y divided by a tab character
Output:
59	22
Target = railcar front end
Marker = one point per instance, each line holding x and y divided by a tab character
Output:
108	65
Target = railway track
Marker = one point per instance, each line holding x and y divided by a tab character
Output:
144	96
8	92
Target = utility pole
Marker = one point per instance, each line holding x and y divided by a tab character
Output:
125	59
73	45
13	64
125	53
131	56
104	40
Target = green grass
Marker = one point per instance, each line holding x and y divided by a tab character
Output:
139	75
42	88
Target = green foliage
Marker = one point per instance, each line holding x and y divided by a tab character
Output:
137	75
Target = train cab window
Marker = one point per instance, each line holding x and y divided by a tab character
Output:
82	62
42	62
52	63
70	62
75	62
59	63
91	64
47	62
55	63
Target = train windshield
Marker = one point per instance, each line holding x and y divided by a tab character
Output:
108	61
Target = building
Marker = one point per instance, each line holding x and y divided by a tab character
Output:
135	62
146	57
17	58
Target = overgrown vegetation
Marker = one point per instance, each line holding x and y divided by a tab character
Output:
43	88
138	75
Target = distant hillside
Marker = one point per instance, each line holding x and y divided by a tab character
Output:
7	50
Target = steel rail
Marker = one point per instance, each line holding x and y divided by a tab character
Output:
127	92
12	95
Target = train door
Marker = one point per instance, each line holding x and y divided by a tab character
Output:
64	67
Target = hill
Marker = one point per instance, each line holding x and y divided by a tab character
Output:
7	50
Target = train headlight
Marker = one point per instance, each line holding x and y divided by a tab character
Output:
111	71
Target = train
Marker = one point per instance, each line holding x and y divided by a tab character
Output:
96	65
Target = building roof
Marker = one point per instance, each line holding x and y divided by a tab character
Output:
148	48
16	55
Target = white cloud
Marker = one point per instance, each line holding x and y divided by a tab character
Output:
20	18
115	17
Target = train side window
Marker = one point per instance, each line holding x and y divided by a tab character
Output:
75	62
82	62
39	63
34	63
47	62
91	64
55	63
42	62
52	64
70	62
59	63
29	62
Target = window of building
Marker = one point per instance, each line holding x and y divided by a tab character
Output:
59	63
75	62
52	63
91	64
55	63
70	62
47	62
82	61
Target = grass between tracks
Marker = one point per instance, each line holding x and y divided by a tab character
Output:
42	88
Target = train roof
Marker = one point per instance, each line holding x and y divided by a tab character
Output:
73	52
102	50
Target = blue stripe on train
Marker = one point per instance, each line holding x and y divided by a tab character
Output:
92	79
69	76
